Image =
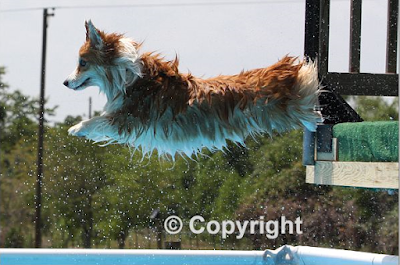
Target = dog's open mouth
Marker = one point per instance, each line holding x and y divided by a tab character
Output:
84	83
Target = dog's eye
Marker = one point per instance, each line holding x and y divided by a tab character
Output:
82	62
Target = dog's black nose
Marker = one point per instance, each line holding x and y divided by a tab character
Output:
66	83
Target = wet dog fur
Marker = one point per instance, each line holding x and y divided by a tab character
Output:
152	106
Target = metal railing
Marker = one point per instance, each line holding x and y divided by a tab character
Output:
353	82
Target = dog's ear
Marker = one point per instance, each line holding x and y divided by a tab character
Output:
93	35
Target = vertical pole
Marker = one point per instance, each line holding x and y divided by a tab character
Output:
355	36
311	51
312	25
323	51
39	181
90	107
392	35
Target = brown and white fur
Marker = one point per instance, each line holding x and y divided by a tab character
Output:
152	106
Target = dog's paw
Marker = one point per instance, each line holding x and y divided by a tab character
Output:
77	130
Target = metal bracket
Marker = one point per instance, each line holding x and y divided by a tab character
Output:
281	256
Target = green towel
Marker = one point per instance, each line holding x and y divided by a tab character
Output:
368	141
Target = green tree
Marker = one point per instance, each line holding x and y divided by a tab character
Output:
18	129
376	108
74	178
17	184
18	115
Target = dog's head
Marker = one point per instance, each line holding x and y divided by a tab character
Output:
105	60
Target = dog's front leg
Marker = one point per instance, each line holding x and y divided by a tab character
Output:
84	128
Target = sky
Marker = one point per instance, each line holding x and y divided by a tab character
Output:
209	37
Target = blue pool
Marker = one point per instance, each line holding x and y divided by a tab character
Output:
288	255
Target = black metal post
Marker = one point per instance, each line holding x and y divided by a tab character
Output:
39	182
392	32
312	23
355	36
323	51
311	51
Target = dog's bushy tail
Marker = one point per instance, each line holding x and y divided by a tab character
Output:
308	88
